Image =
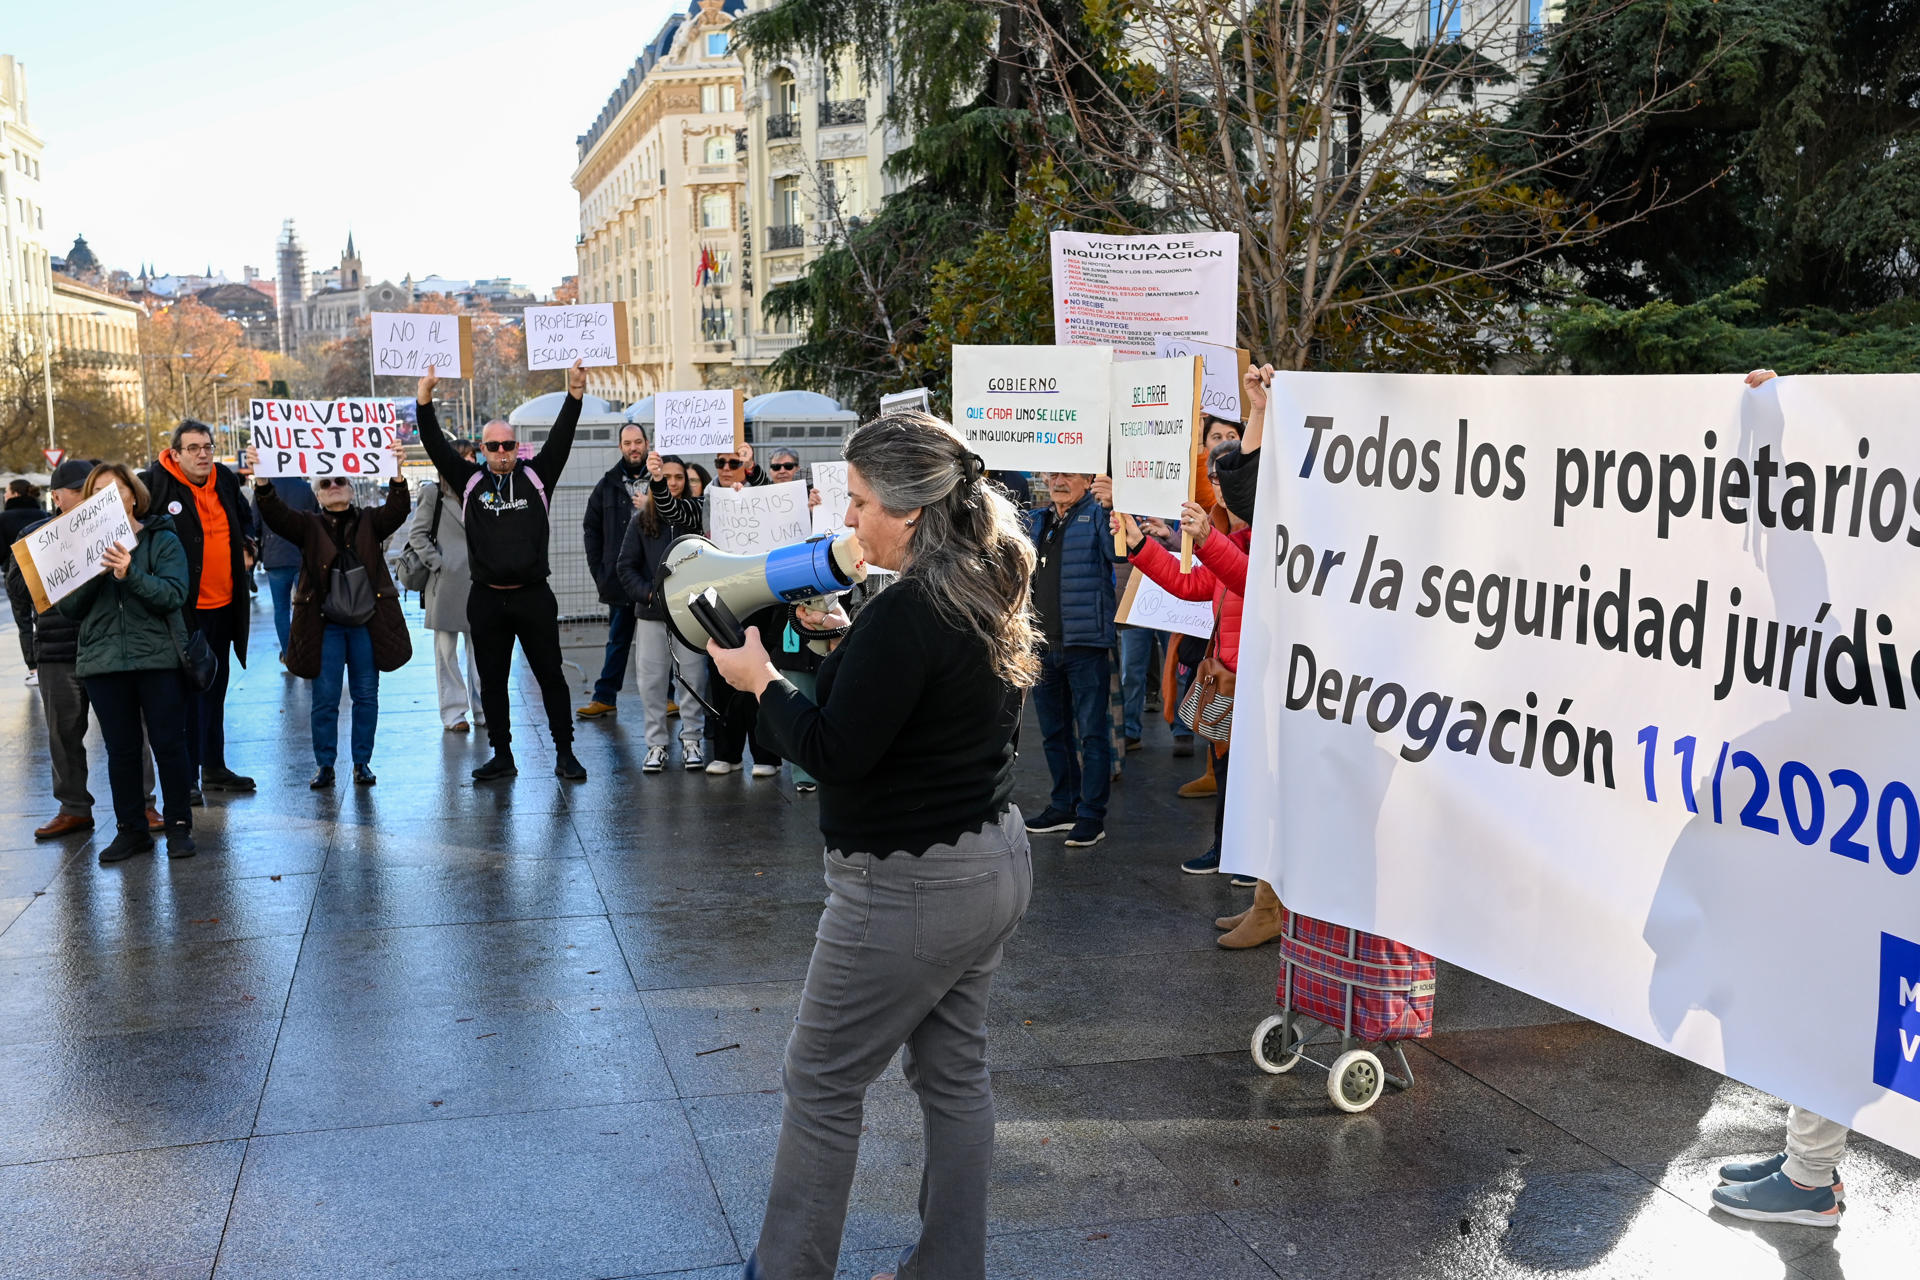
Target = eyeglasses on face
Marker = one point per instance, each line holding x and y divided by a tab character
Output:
195	448
728	464
332	482
501	446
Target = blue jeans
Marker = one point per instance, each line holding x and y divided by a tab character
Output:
349	649
1137	675
613	672
1071	704
280	583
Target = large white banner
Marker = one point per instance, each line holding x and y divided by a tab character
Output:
1607	688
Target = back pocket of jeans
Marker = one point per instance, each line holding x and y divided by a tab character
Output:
953	919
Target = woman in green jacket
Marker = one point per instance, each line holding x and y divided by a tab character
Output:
131	644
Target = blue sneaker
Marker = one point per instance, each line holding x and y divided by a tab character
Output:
1756	1170
1777	1198
1204	865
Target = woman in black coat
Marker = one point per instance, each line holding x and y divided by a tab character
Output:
346	610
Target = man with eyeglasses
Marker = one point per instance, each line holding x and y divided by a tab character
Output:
503	505
212	519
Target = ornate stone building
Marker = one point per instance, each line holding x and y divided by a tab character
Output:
661	199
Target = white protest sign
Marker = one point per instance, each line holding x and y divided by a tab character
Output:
901	400
1154	407
594	333
1125	291
760	517
1033	408
310	438
697	421
64	553
405	343
1219	377
1148	604
1587	684
830	482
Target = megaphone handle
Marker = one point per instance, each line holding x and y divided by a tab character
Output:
697	698
712	613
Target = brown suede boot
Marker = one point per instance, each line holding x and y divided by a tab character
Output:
1201	786
1231	922
1265	920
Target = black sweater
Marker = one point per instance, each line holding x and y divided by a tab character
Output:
506	519
912	739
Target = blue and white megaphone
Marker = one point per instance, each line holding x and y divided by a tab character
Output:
709	590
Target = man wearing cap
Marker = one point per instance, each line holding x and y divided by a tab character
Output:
212	519
63	698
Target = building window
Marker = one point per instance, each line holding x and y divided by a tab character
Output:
716	44
715	212
717	151
716	322
653	330
786	201
718	97
1444	18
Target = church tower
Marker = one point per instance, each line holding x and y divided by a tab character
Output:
350	278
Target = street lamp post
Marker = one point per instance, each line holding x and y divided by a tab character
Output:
46	365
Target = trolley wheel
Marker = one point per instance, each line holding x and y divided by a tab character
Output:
1271	1052
1355	1080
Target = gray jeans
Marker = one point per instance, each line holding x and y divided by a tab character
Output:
656	653
904	956
1814	1147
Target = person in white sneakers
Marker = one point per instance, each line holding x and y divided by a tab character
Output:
648	535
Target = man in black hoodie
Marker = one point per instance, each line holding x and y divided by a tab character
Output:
504	503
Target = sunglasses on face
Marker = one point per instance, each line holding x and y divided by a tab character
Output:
501	446
783	466
333	482
728	464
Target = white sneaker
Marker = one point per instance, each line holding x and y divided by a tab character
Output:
656	760
718	767
691	754
765	770
33	677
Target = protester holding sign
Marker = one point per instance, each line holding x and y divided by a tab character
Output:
346	611
63	697
1073	606
211	518
637	566
132	646
439	537
505	508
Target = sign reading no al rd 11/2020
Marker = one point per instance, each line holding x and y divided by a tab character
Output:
406	343
1033	408
1124	291
312	438
594	333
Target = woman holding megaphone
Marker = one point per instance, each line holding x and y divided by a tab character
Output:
911	735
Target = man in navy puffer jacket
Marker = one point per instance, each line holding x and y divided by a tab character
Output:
1073	605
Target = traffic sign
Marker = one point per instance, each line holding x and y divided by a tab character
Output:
54	457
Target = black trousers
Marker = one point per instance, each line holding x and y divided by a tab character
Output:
738	723
206	713
532	616
121	700
1220	801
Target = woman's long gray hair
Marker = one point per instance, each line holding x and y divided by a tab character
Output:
969	547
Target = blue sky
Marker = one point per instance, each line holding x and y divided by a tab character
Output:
440	133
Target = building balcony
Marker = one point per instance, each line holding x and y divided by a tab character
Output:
783	126
843	111
792	236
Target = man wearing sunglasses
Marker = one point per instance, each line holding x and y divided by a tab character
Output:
503	505
212	519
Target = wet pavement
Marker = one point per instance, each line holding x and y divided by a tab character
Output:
429	1030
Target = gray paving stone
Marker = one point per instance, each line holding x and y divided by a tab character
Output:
1191	1248
142	1215
409	1064
93	1095
188	984
356	894
455	965
25	872
144	904
699	945
565	1195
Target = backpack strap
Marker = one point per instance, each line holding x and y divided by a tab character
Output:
539	487
473	482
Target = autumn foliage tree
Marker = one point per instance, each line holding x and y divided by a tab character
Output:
195	359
